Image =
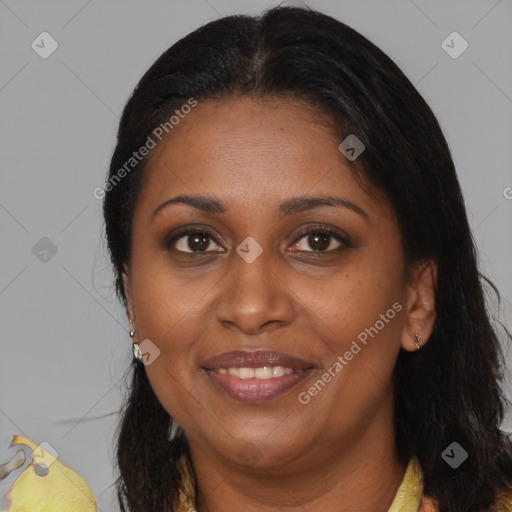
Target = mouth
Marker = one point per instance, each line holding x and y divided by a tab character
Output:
255	377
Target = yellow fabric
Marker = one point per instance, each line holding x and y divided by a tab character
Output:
61	490
505	501
408	498
409	494
186	499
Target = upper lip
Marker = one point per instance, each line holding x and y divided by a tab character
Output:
256	359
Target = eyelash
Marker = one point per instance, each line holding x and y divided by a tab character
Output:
337	235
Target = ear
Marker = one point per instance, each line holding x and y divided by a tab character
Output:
130	310
421	306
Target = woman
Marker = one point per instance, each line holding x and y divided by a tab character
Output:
290	242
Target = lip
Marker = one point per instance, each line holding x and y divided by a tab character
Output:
256	390
256	359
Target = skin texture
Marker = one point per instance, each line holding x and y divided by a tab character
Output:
336	452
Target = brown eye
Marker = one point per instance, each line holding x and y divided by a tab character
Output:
320	240
193	241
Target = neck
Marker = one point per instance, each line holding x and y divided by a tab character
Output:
363	476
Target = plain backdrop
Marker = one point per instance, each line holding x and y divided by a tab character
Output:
65	345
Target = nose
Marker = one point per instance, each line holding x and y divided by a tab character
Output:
253	298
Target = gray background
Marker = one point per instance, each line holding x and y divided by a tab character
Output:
65	345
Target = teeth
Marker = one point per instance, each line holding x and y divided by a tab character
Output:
264	372
278	371
246	373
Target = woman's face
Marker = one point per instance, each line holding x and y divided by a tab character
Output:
315	320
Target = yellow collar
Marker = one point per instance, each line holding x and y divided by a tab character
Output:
409	494
407	498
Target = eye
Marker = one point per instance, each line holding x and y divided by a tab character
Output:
320	239
191	240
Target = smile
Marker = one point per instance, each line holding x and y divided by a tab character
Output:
263	372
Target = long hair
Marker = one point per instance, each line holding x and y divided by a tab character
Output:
450	391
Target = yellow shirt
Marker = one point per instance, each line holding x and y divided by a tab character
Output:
408	498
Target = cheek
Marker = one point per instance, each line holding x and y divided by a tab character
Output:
175	391
169	301
172	321
358	315
359	319
352	299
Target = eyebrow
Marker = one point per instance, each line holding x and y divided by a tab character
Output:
288	207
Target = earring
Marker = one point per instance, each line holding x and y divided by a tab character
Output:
174	429
417	339
137	353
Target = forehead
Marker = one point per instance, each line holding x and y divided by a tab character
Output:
252	151
243	129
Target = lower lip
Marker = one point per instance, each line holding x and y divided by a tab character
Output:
256	390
